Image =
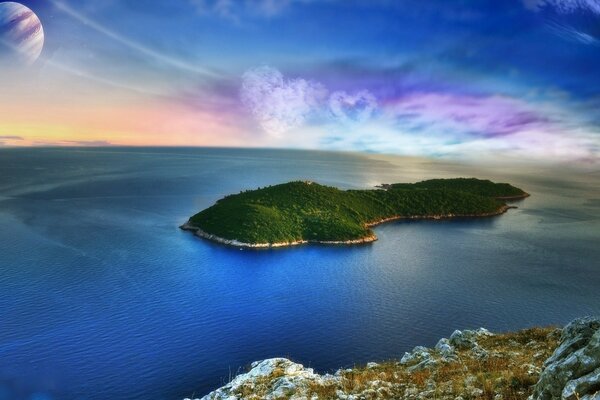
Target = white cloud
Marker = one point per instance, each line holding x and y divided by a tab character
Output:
277	103
352	108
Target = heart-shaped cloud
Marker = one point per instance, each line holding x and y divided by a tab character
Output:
279	104
352	108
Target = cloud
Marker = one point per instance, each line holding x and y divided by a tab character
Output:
232	9
223	8
131	44
484	116
570	33
9	139
573	20
77	143
534	143
564	6
277	103
91	143
351	108
235	9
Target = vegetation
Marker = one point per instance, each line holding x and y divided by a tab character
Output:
471	185
509	372
476	365
307	211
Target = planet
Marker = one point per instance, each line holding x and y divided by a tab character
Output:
21	34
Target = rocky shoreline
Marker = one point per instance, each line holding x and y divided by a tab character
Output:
236	243
533	364
188	226
510	198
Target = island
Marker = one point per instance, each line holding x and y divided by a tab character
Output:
306	212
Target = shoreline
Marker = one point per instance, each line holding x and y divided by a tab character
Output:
187	226
518	197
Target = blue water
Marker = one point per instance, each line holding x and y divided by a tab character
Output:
102	296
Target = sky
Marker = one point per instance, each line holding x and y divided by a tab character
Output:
481	79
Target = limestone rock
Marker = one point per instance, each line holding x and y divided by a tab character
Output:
467	339
420	357
573	370
417	354
283	376
445	349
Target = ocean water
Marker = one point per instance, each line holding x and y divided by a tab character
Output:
102	296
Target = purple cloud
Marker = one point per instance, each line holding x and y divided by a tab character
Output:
356	107
482	116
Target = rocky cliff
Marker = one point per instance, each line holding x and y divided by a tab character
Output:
573	370
538	363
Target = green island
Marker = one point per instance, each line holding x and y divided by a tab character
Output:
306	212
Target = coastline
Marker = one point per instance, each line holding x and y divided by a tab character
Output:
518	197
187	226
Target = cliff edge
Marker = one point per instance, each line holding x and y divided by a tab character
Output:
534	364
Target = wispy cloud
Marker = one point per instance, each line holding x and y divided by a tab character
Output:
483	116
570	19
564	6
570	33
74	143
89	143
131	44
236	9
10	140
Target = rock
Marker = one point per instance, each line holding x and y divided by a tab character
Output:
454	370
461	340
479	352
467	339
470	380
446	350
474	392
284	375
419	353
586	387
425	364
532	370
420	357
573	370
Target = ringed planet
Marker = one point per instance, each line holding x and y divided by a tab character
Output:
21	34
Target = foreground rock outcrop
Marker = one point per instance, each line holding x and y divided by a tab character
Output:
573	370
534	364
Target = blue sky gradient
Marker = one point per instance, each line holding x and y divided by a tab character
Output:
430	78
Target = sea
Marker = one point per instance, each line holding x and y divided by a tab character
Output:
102	296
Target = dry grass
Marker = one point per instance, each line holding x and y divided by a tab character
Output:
510	371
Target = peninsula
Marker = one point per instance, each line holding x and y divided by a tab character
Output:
306	212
